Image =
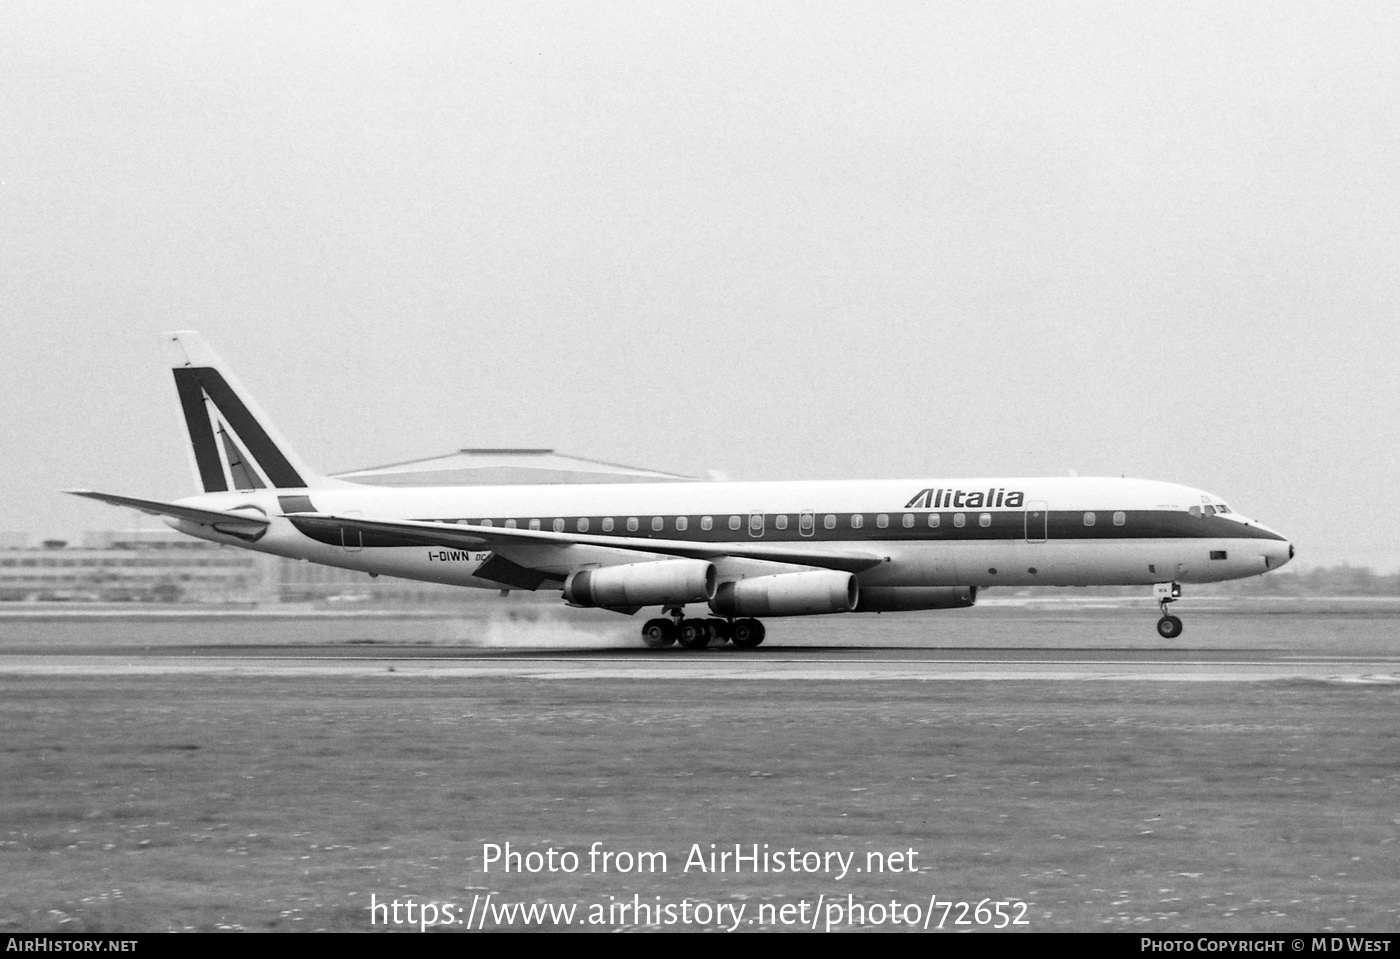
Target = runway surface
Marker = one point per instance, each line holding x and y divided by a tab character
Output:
1239	641
780	663
272	772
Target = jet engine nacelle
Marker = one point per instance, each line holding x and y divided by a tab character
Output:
665	582
788	594
889	599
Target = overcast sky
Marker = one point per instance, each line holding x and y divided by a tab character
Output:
778	240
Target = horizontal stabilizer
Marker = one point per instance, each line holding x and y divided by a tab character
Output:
226	521
329	529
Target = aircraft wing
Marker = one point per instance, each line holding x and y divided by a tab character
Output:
374	532
155	507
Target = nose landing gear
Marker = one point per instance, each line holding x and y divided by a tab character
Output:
1169	626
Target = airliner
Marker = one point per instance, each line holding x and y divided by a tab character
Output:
735	551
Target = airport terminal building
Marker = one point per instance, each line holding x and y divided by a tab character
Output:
163	566
141	566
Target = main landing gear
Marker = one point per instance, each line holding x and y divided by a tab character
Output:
1168	627
700	633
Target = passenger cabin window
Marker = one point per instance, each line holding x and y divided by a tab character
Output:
735	522
534	524
707	522
1090	519
1119	518
984	520
487	522
780	521
829	521
607	524
882	520
756	524
632	524
959	520
510	524
933	520
682	522
908	520
656	523
583	524
857	520
807	522
558	526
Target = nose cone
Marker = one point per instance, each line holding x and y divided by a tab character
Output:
1277	553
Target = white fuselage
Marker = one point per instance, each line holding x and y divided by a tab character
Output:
927	532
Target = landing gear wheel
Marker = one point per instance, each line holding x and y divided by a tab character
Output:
748	633
694	634
719	631
1168	627
658	633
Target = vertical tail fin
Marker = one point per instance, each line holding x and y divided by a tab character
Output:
233	443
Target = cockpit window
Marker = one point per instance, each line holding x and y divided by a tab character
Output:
1210	510
1223	508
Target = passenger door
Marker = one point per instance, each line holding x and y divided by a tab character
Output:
350	539
1037	521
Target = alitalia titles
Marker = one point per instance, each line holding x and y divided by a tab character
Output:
963	499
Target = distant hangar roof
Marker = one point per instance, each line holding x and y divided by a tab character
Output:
506	467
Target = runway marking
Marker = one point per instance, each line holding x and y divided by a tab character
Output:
1343	658
593	668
